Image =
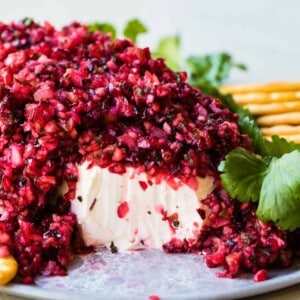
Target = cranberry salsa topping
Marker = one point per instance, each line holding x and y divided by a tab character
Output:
67	96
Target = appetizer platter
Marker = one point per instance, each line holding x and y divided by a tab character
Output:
113	159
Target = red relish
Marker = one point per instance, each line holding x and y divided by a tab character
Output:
67	96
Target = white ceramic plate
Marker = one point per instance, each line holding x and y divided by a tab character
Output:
139	274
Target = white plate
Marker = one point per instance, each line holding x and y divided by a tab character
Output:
139	274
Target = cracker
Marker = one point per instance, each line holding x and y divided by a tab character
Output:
281	130
243	88
266	97
290	118
273	108
290	138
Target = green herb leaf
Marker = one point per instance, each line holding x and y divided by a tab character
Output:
169	49
280	192
279	146
248	126
211	69
133	29
103	27
242	174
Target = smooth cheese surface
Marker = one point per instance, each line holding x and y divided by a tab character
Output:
134	213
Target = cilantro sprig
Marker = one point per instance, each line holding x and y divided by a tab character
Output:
279	199
211	69
243	182
269	176
273	182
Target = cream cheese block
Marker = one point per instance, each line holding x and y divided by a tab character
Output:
131	212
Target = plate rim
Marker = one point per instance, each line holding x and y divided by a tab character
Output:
277	281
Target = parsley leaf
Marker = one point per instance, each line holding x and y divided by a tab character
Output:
279	146
133	29
242	174
103	27
248	126
169	49
280	192
272	181
211	69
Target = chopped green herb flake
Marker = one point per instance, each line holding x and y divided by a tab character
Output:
27	21
140	92
176	223
97	139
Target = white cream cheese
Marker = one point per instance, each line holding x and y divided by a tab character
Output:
133	214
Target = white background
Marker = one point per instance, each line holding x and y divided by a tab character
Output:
264	34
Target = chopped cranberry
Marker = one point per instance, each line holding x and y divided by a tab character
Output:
143	185
123	209
69	96
154	297
261	275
